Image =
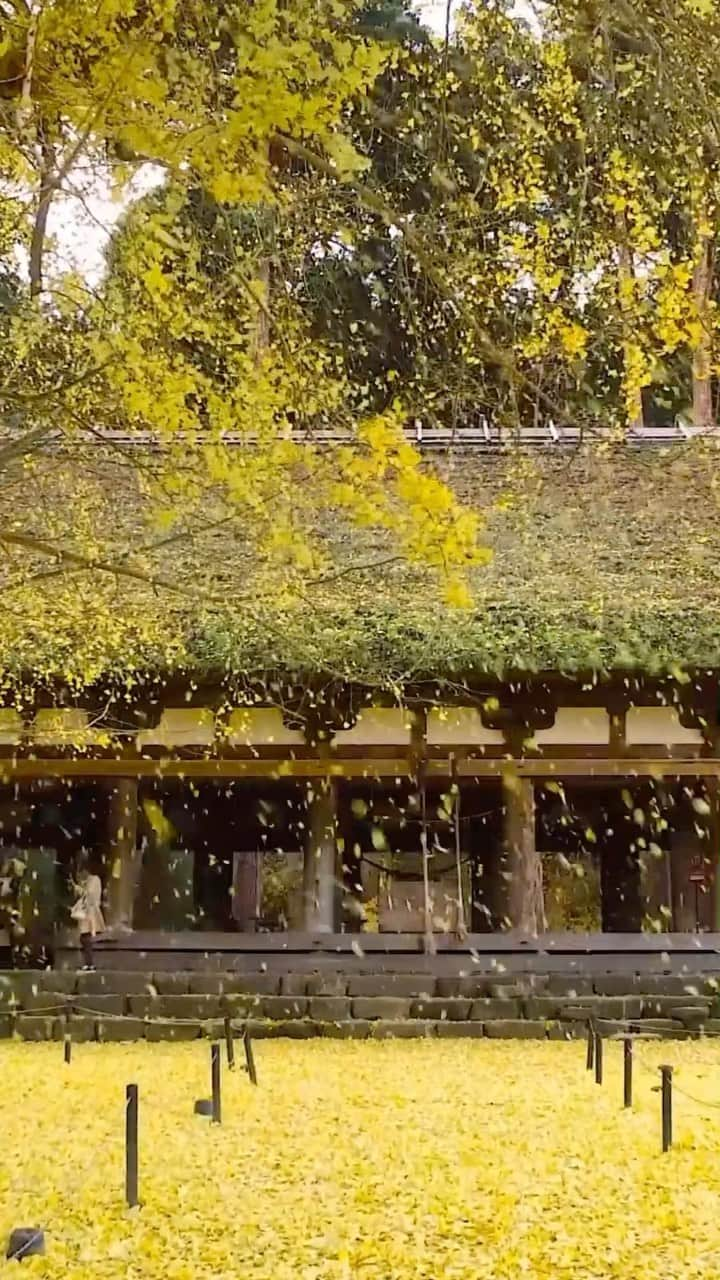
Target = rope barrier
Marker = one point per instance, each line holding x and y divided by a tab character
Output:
699	1102
409	875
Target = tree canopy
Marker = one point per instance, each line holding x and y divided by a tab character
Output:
333	223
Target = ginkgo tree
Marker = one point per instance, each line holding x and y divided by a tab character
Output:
218	97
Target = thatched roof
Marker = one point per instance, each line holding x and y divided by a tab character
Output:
602	559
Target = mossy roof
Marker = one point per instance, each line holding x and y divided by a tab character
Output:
604	559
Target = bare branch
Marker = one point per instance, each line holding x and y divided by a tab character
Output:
48	186
24	111
23	445
63	554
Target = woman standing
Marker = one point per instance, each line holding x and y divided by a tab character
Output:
87	914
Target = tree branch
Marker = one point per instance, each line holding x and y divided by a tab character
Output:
39	545
502	359
23	445
48	186
24	110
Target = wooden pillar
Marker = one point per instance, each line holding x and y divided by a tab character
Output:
620	867
488	883
123	856
522	869
693	858
320	880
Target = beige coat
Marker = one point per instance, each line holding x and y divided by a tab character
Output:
87	911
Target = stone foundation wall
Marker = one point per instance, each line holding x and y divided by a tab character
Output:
115	1006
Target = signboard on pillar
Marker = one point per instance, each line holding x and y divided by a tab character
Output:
697	871
697	876
246	890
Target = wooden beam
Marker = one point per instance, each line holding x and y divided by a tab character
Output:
627	767
277	770
362	767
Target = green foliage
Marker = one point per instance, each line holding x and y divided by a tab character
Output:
357	224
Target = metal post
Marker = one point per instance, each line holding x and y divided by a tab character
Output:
249	1057
215	1074
131	1145
67	1041
598	1059
627	1071
229	1045
590	1059
666	1076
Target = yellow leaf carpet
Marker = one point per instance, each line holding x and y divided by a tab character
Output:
382	1161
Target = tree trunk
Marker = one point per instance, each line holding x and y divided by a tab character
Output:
702	355
262	323
626	276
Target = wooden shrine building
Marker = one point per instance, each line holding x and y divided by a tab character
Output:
548	760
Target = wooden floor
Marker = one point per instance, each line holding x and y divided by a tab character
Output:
500	953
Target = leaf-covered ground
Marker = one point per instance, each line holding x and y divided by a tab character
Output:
380	1161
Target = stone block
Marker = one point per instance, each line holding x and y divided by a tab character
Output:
632	1007
671	985
442	1010
81	1030
238	1006
29	1027
460	1030
354	1029
156	1031
50	979
143	1006
692	1016
613	1007
21	980
172	984
115	982
12	993
451	988
45	1001
99	1004
490	1008
616	984
259	1029
198	1008
284	1008
509	990
8	988
293	984
656	1026
390	1008
112	1031
297	1029
215	1030
666	1006
542	1007
560	984
561	1030
411	986
287	1029
217	984
329	1008
327	984
412	1029
256	984
515	1029
608	1028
